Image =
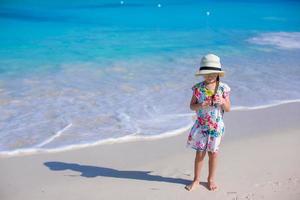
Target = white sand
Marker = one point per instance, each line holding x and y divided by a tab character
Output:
259	159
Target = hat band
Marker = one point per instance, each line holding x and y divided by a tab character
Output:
210	68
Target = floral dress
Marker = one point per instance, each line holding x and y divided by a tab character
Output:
208	129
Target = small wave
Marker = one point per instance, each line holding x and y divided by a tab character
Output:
127	138
276	103
274	18
281	40
56	135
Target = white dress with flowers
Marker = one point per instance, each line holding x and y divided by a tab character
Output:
208	129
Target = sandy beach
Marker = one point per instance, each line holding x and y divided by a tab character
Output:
95	99
258	159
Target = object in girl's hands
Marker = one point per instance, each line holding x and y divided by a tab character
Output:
216	98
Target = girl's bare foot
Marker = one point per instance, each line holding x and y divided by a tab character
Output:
212	185
191	186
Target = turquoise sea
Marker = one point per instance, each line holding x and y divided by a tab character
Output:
77	73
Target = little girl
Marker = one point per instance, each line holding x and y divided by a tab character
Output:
210	100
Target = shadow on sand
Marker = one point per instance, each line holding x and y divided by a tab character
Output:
94	171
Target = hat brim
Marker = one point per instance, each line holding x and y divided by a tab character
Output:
204	72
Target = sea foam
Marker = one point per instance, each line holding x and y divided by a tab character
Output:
281	40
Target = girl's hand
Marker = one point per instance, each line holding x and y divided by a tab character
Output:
197	106
219	100
204	104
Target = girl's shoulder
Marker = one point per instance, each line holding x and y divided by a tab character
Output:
198	85
224	87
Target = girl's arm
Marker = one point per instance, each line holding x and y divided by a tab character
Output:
226	104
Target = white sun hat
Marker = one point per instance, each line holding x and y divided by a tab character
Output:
210	64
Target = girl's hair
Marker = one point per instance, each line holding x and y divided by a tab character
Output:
216	89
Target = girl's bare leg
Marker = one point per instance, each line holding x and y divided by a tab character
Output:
212	165
197	169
